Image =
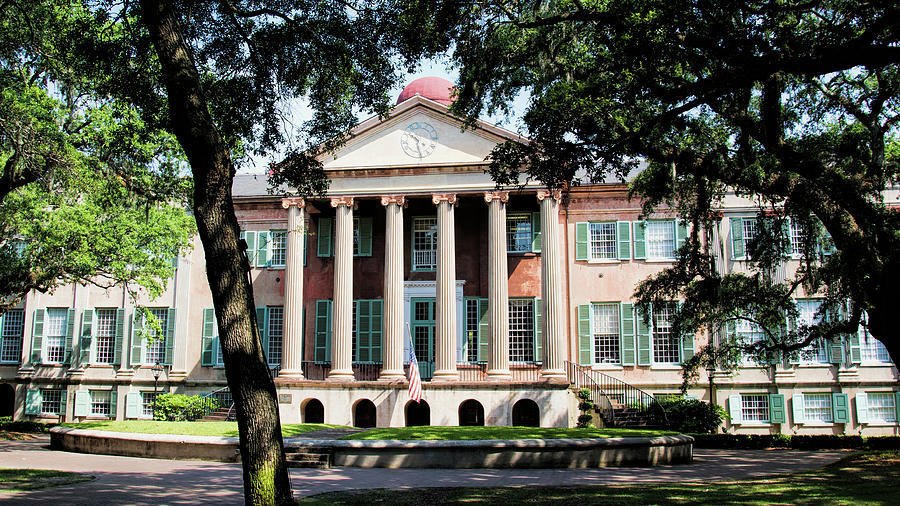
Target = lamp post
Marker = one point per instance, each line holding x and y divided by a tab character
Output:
157	371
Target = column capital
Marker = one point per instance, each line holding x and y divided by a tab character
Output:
387	200
502	196
341	201
543	194
449	198
293	201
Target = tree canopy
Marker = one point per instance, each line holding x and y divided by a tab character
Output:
89	192
793	104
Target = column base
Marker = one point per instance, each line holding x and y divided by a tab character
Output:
445	375
553	373
291	373
388	375
340	375
499	375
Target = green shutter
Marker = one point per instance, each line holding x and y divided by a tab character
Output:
643	340
207	353
687	342
855	354
136	340
730	330
626	325
734	409
862	407
87	333
120	334
365	236
113	398
840	406
133	405
640	244
70	334
836	351
585	350
623	237
536	232
305	241
250	237
737	238
33	401
484	329
37	334
681	233
323	331
538	330
776	408
263	334
897	404
170	337
82	403
262	248
363	336
323	248
797	408
376	328
581	241
63	400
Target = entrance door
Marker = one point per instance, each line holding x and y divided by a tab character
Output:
422	326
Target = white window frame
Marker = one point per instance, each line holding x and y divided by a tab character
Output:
658	324
276	329
417	264
58	393
147	407
55	340
521	330
651	243
101	408
752	408
11	335
871	350
521	241
472	326
609	330
808	309
598	228
104	334
817	409
277	249
890	407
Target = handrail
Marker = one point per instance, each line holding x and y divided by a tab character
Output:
205	396
578	377
620	393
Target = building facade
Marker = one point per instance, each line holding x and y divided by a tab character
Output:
500	293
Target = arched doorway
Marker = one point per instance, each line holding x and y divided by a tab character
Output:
313	411
7	400
418	414
471	414
526	413
364	414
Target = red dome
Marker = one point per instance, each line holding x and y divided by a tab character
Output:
432	88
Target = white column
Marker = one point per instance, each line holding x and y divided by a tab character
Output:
392	316
554	332
498	287
445	319
342	306
292	349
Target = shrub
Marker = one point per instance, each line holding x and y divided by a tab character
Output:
883	443
692	415
8	424
586	407
797	442
179	407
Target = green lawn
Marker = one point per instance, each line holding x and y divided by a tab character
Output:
190	428
862	478
453	433
32	479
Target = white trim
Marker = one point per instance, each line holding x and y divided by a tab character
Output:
428	289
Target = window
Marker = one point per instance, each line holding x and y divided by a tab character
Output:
748	333
882	407
816	352
606	333
797	236
155	349
521	330
276	331
665	343
518	233
147	400
55	335
278	239
100	403
743	230
12	326
603	241
106	336
473	319
660	237
817	408
51	402
871	349
424	238
755	408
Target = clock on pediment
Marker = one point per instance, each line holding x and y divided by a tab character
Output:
419	139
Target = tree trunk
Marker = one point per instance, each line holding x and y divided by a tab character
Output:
262	452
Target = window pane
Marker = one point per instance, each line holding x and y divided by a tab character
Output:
472	321
798	235
55	334
156	344
521	330
147	400
518	233
606	333
817	407
106	336
816	352
279	247
603	241
755	408
882	408
11	335
275	333
660	239
424	243
100	405
665	342
51	402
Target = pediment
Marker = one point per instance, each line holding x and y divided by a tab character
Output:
435	139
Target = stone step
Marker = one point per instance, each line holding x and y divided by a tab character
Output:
305	459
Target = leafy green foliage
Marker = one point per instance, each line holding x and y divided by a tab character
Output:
8	424
180	407
692	415
226	429
586	407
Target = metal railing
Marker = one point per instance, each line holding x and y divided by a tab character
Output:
609	394
467	371
222	395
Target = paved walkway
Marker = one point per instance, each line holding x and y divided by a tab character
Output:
131	480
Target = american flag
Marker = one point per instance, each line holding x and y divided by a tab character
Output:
415	381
